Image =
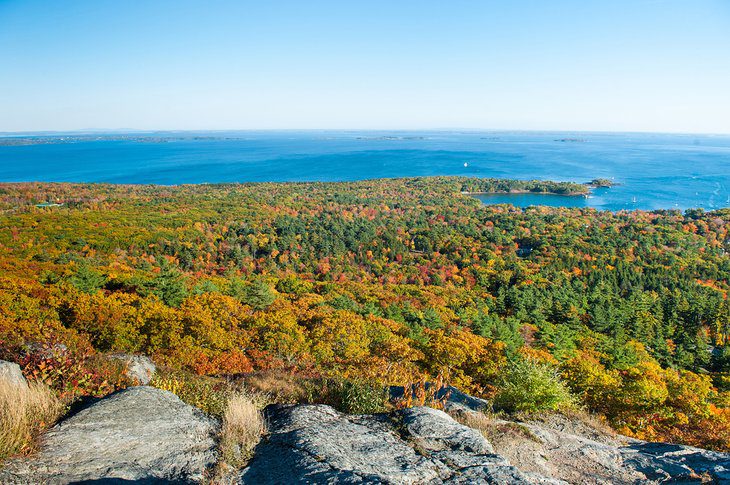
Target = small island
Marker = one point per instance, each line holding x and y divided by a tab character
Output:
601	183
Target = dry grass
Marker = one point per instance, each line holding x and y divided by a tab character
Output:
492	428
282	386
243	426
25	411
478	421
577	421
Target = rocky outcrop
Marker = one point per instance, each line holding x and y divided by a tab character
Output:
141	433
560	454
138	368
574	451
10	372
146	435
316	444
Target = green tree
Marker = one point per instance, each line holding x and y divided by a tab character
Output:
87	279
169	285
258	295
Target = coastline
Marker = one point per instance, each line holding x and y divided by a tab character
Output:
518	192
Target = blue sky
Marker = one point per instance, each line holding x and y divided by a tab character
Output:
620	65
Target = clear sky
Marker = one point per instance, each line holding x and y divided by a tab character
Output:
613	65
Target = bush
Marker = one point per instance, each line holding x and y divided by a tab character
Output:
531	386
351	396
196	391
73	373
25	411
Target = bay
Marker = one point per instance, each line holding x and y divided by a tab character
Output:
654	171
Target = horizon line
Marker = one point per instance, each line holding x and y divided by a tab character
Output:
102	131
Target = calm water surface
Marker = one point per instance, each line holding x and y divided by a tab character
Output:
655	171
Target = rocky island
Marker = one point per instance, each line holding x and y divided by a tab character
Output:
601	183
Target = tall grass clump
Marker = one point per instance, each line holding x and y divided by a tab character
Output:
243	426
25	411
531	386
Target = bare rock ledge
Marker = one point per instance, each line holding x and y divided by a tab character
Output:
316	444
139	434
145	435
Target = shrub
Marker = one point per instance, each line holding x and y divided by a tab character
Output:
73	373
351	396
197	391
530	386
243	425
423	393
25	411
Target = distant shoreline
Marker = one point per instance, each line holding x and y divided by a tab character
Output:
520	192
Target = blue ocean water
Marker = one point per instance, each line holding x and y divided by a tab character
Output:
655	171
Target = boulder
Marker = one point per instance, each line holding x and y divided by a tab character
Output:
45	350
316	444
456	400
665	462
10	372
138	368
139	434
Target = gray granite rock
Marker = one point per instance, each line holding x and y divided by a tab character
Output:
10	372
140	434
147	435
316	444
139	368
556	448
664	462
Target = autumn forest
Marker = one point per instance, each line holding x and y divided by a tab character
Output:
389	281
